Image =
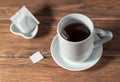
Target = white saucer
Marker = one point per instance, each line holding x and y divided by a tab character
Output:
30	35
75	66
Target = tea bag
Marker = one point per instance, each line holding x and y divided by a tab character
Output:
65	35
24	20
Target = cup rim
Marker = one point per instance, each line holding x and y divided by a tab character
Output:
58	33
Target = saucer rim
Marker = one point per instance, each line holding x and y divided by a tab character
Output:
16	33
67	68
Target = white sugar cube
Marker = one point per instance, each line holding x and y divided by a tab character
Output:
36	57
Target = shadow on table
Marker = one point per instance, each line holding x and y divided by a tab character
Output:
45	16
111	50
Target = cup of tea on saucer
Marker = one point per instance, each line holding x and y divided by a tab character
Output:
78	41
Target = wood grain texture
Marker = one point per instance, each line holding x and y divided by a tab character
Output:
15	65
98	10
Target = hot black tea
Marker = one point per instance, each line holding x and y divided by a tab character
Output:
75	32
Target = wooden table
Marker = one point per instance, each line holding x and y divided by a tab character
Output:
15	65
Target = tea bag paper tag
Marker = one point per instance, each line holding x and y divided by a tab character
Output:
36	57
24	20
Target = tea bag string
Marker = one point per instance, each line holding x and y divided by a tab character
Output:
65	36
46	52
49	51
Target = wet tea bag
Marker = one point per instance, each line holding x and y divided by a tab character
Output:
24	20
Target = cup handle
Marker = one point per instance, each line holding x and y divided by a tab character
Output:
105	36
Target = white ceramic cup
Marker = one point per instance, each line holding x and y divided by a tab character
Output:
80	51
